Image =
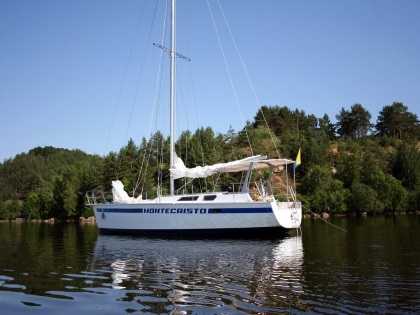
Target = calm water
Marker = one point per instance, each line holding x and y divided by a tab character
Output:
70	269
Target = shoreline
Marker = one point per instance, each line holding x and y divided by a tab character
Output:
324	215
88	220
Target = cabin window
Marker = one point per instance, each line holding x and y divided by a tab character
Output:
209	197
188	198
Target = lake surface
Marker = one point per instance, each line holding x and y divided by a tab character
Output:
373	267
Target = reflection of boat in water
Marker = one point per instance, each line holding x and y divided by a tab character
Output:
289	252
206	272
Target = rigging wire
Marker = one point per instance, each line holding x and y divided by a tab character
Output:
124	77
249	79
141	178
140	75
121	158
191	87
228	71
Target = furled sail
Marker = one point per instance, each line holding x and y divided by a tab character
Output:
120	195
258	161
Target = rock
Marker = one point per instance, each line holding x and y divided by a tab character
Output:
91	220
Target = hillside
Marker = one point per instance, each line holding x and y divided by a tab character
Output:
46	182
344	168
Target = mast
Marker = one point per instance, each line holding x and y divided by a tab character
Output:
173	54
172	96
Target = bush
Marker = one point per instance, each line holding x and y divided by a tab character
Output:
363	198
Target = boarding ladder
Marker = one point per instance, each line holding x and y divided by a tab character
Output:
295	215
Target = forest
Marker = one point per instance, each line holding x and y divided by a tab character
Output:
351	166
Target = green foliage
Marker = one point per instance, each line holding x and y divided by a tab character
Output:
389	190
357	172
348	163
353	124
329	201
47	182
363	198
396	121
32	207
325	194
316	179
326	128
406	166
316	148
413	200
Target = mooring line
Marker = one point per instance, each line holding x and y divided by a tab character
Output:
316	215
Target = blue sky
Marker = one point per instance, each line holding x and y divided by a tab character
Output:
67	79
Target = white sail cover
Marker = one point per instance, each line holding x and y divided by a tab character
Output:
120	195
258	161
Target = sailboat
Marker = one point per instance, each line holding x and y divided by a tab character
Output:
251	210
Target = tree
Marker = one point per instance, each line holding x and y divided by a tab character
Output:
332	199
336	197
316	179
262	141
363	198
32	207
389	190
110	170
361	120
231	148
281	119
325	193
277	119
406	166
353	124
326	127
154	166
348	163
128	165
316	148
396	121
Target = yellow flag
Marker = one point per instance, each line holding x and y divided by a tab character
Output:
297	162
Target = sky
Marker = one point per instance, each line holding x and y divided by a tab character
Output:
83	74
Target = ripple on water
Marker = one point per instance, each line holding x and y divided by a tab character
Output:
114	275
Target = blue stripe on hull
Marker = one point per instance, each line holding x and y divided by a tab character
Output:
267	232
185	210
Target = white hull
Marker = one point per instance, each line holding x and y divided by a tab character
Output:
166	215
